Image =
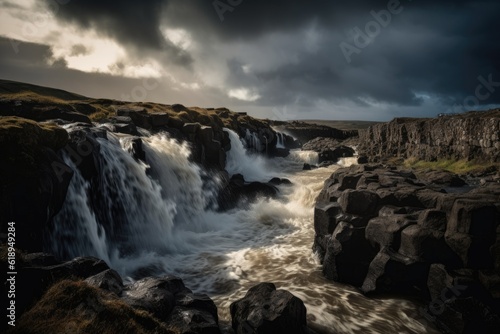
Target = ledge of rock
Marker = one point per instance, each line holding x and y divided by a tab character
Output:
472	135
266	310
54	295
384	230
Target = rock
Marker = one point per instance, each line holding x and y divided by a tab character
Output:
325	218
108	280
183	320
238	191
386	231
139	115
309	167
56	113
394	233
427	245
472	231
443	178
155	295
360	202
129	129
32	176
268	311
393	272
467	136
305	132
348	255
335	154
159	119
278	182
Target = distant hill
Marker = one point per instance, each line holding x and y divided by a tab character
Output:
21	90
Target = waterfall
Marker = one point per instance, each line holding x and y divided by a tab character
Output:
239	161
252	141
281	140
154	218
134	206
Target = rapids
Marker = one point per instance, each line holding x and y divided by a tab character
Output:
158	218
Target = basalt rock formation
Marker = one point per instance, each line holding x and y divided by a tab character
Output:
469	136
84	295
267	310
384	230
305	132
34	174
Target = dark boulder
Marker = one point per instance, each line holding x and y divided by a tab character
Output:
276	181
237	192
348	255
155	295
108	280
266	310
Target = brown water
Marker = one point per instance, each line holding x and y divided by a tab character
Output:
167	230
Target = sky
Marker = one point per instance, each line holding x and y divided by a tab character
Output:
307	59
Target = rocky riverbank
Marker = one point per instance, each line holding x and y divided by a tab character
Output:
469	136
85	296
385	230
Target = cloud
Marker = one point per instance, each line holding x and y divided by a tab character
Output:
79	50
286	55
132	23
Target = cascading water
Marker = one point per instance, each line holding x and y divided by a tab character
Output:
281	140
166	226
252	141
252	167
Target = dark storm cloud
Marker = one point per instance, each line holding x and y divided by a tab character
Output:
437	49
132	23
431	50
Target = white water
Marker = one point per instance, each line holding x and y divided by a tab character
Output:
169	230
253	167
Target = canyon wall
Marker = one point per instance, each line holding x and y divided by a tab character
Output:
469	136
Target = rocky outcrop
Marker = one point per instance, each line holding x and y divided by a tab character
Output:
305	132
266	310
329	150
473	135
386	231
33	178
88	289
237	191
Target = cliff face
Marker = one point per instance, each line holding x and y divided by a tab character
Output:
474	135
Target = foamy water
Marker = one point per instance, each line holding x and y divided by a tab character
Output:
169	228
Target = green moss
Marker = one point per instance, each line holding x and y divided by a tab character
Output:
454	166
22	142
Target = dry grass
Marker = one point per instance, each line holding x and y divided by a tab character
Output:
454	166
76	307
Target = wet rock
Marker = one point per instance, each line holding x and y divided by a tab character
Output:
267	310
348	255
184	320
155	295
238	191
108	280
139	115
280	181
396	233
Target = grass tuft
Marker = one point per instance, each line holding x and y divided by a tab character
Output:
76	307
454	166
